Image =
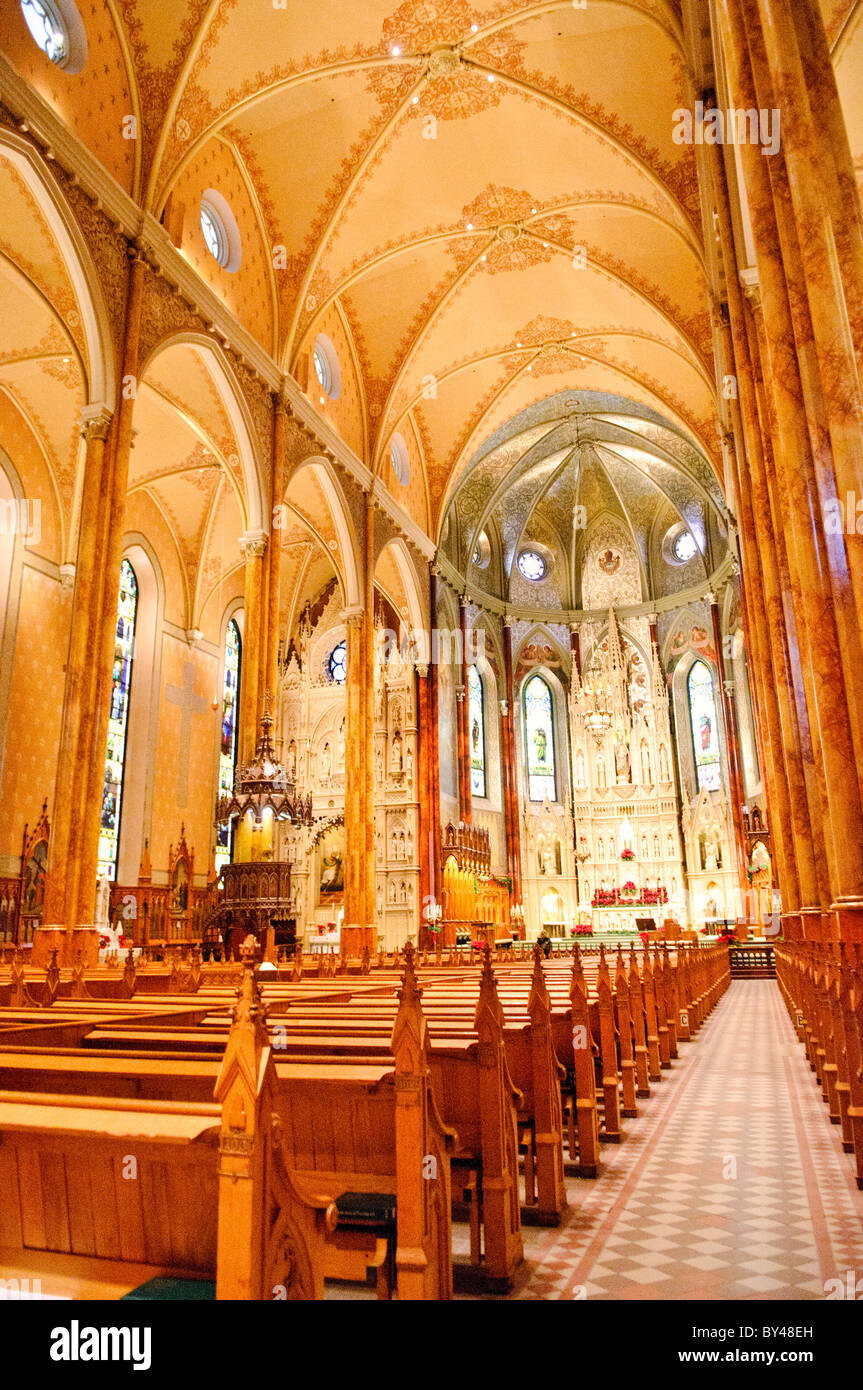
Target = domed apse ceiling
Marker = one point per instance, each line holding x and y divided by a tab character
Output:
544	481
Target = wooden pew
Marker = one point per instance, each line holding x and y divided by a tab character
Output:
154	1185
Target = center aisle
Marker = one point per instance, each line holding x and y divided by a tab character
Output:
731	1184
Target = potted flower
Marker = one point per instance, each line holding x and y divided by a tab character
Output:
627	853
629	890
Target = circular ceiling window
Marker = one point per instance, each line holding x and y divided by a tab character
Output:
400	459
482	551
220	231
684	547
531	564
327	369
56	27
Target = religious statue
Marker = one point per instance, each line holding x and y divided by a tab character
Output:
409	764
397	753
621	761
711	858
392	891
645	762
341	745
656	846
579	769
644	846
548	865
410	848
292	761
103	895
379	764
664	774
326	763
600	771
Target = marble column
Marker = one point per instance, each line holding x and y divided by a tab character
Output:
729	728
274	555
367	802
425	848
434	740
354	774
253	545
826	625
73	755
762	605
463	719
513	822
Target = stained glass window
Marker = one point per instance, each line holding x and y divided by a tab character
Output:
47	28
118	720
539	736
476	724
228	745
705	735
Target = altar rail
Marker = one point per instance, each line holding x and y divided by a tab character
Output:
751	962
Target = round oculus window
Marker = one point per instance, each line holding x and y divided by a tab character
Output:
531	565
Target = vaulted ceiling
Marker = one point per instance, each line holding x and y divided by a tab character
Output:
487	198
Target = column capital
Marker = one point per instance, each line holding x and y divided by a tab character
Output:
96	421
67	576
751	284
711	598
253	543
422	669
353	617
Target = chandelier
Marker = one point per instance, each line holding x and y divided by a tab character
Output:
263	785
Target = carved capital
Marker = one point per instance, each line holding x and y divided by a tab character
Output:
751	285
67	576
253	544
96	422
353	617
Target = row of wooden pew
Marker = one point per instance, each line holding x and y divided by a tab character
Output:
822	985
403	1101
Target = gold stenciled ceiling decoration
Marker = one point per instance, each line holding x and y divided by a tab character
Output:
487	195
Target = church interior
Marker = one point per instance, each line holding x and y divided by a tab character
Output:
431	611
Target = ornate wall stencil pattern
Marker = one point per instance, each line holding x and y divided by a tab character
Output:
611	574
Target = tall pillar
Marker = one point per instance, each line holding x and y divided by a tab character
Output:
511	807
464	796
253	545
274	556
434	741
368	716
729	729
760	596
84	848
72	753
354	754
829	639
426	839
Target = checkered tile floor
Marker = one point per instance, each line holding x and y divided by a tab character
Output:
731	1184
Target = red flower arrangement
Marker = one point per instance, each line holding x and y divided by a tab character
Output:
627	853
629	889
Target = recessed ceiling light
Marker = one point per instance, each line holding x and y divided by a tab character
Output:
491	77
518	344
485	258
533	212
470	226
416	101
395	50
473	28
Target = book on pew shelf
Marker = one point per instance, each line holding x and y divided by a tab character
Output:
366	1208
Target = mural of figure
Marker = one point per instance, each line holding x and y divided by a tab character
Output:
397	753
664	773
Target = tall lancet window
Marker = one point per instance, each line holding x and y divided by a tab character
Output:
476	726
539	738
118	721
705	735
228	745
